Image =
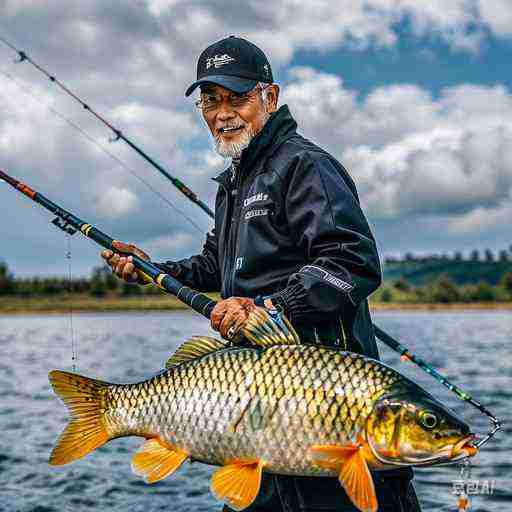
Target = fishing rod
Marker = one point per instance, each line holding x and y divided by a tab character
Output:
407	355
203	305
102	148
70	224
118	134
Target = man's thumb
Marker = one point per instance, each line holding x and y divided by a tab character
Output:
130	249
121	246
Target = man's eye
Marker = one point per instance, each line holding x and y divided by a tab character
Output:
238	99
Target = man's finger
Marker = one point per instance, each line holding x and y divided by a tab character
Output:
130	249
239	323
120	266
113	261
121	246
128	270
107	254
230	319
217	315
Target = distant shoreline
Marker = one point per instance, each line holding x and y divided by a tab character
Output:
87	304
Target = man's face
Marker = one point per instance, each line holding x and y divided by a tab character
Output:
236	119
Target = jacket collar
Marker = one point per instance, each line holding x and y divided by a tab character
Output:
279	127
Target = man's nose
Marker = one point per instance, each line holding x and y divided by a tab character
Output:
225	111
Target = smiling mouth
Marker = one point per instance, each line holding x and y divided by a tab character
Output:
230	129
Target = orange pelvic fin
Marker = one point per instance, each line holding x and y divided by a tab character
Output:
353	473
155	460
86	431
237	484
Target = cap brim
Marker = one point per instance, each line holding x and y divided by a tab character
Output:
233	83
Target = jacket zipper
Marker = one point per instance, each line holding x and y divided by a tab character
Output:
233	233
343	335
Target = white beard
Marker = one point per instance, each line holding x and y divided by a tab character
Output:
233	149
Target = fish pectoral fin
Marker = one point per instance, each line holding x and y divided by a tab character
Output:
193	348
238	483
332	456
353	473
391	453
155	460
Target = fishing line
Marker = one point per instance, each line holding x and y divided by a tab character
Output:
98	145
24	57
74	346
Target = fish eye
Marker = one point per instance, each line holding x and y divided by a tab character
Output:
428	419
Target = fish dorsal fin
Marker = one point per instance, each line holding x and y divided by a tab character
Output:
264	329
194	347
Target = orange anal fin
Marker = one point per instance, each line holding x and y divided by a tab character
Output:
353	472
155	460
238	483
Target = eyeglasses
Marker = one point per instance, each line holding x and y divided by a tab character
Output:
211	101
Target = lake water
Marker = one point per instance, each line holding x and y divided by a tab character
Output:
472	348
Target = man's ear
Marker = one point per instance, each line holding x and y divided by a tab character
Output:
272	98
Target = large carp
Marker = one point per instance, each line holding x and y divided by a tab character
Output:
281	407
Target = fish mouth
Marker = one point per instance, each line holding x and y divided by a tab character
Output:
463	449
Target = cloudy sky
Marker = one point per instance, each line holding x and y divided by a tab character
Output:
412	96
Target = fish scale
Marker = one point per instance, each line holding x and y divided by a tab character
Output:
282	407
270	404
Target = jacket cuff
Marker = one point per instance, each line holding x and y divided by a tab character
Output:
290	301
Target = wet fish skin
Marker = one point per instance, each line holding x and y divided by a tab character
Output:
287	408
238	403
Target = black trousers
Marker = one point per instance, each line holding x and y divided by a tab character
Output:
281	493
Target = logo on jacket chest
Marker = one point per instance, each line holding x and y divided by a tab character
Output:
255	198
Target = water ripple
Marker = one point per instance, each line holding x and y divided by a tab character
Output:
472	348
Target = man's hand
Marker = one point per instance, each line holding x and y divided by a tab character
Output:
229	315
123	266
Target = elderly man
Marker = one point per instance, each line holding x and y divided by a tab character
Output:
289	234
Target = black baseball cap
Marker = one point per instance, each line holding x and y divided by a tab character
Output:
233	63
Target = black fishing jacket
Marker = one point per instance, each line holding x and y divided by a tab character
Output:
289	226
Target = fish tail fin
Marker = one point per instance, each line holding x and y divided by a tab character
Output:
85	399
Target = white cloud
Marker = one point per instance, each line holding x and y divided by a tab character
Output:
114	202
132	62
483	220
497	15
157	7
168	244
411	154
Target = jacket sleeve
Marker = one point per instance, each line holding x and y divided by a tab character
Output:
200	272
328	224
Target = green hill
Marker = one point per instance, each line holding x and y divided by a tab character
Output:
419	272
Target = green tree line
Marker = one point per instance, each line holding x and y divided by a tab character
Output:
103	283
100	284
444	290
